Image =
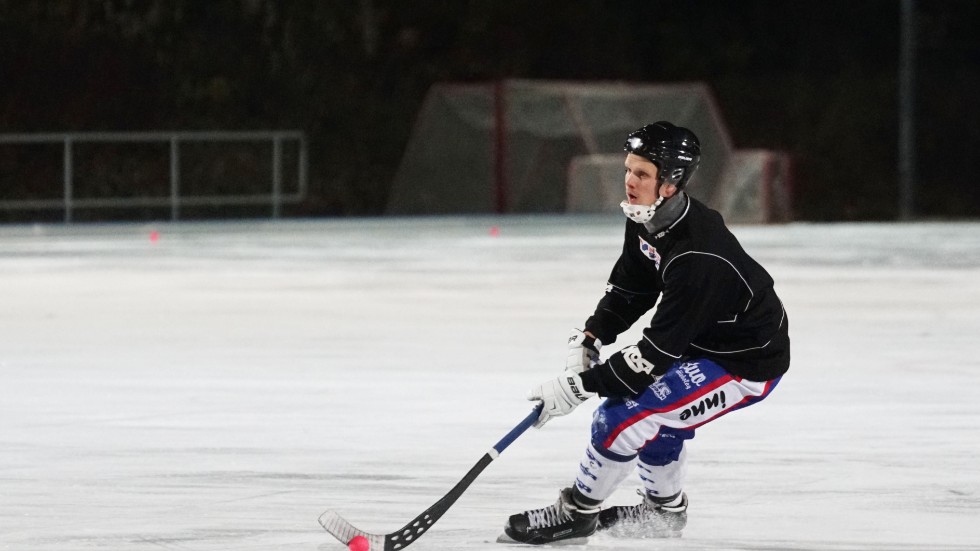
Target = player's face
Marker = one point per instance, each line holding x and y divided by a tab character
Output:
641	181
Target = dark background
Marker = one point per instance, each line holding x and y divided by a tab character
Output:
818	79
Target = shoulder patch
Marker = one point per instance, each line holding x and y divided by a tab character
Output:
650	252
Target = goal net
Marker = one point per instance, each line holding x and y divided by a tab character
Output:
520	146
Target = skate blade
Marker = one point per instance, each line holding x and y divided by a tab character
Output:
505	539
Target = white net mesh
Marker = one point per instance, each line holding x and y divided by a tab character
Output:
533	146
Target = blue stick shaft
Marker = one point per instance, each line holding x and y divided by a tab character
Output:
519	429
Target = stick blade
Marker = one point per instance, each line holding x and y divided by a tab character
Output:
338	527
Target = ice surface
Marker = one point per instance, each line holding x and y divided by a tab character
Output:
221	387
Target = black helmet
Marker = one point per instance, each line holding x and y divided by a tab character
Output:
674	149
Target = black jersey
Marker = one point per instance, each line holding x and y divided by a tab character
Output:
715	302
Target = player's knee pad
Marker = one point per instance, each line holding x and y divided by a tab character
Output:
666	447
607	422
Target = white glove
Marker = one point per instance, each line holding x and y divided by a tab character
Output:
583	352
559	396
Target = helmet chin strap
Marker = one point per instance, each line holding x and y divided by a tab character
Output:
640	214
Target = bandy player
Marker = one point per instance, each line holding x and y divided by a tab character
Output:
717	342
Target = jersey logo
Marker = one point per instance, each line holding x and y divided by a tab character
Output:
636	361
660	390
650	252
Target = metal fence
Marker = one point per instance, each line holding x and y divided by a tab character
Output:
68	202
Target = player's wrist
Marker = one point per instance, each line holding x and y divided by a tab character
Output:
583	351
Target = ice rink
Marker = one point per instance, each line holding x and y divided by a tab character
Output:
219	387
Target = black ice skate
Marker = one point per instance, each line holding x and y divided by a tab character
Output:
564	521
649	519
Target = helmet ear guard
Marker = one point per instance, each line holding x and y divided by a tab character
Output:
674	177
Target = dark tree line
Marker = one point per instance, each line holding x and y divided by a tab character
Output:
818	79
